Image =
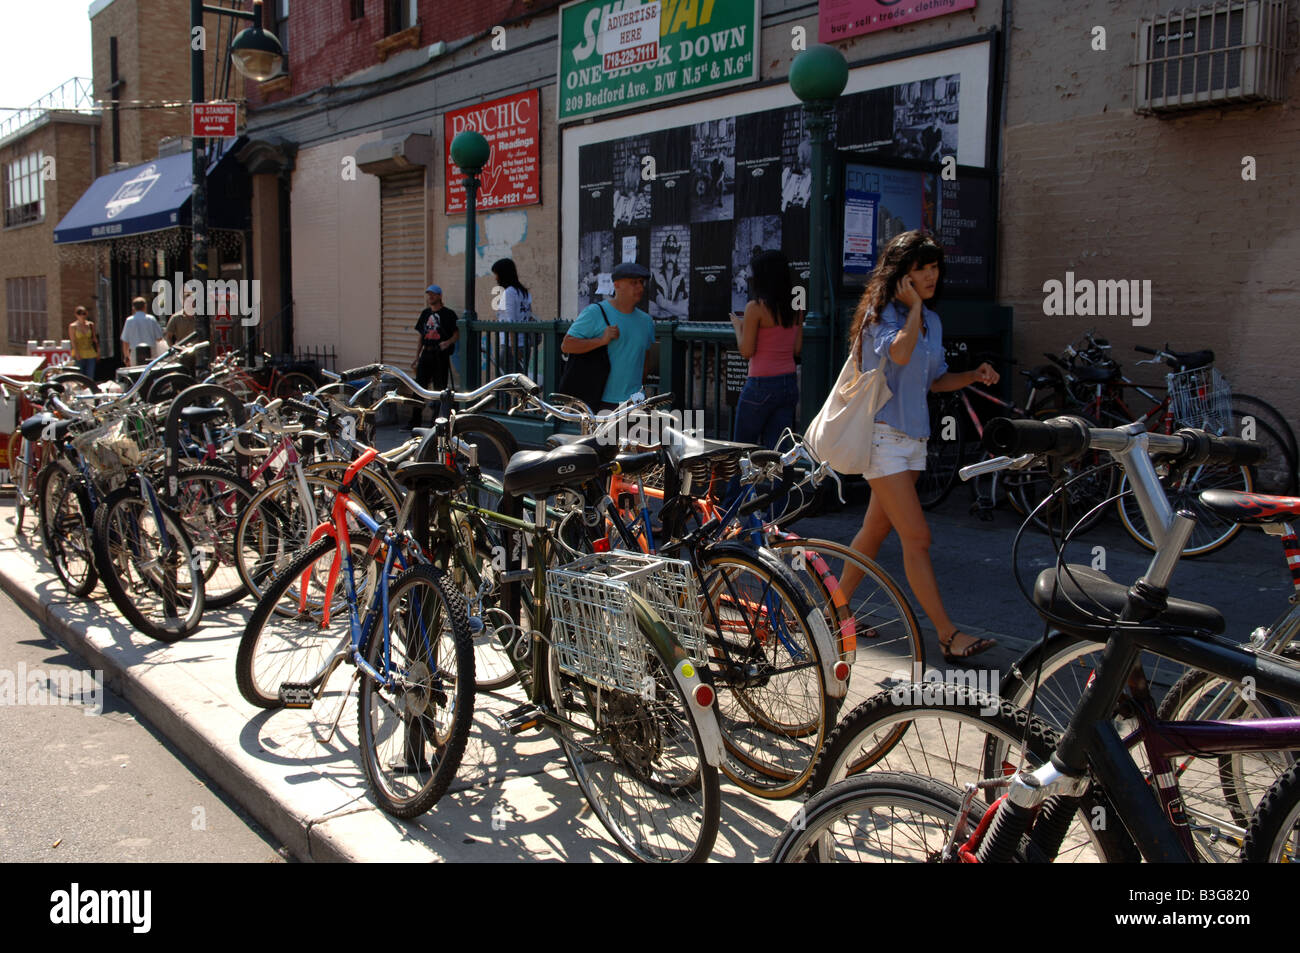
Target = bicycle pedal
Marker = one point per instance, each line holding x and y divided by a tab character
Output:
296	695
521	719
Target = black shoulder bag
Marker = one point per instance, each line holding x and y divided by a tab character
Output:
585	375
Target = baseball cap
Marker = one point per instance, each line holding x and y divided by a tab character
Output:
630	269
436	289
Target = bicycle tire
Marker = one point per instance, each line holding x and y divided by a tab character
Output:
165	388
65	517
294	384
275	526
283	643
890	732
773	703
25	457
1220	793
640	762
943	457
1274	833
210	501
925	808
135	571
432	715
1263	410
1079	494
888	638
1212	531
1276	474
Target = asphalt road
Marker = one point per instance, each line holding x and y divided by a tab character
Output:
80	787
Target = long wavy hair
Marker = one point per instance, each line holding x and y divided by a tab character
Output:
508	275
905	250
770	285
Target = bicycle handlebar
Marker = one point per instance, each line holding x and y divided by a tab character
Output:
1069	437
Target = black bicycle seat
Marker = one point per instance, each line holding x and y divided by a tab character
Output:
1251	509
532	471
1096	375
420	476
684	449
201	415
33	428
1086	593
1189	360
606	447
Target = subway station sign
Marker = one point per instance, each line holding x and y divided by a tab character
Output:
703	45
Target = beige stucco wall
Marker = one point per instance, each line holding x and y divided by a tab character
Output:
335	229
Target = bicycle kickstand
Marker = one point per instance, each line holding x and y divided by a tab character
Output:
329	735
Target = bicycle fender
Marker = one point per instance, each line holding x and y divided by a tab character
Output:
813	617
686	673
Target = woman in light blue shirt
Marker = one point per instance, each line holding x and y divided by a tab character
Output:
894	329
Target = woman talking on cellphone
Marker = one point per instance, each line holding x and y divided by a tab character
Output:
893	324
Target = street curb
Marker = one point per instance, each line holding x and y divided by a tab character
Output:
295	833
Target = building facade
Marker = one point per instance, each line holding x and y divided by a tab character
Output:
1014	130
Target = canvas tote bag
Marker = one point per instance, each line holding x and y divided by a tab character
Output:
842	432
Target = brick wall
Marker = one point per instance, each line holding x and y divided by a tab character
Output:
328	45
1091	187
29	250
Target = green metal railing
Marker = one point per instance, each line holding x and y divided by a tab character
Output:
690	359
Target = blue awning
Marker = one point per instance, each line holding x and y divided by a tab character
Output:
144	198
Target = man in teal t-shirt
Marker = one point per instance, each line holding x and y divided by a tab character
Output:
629	335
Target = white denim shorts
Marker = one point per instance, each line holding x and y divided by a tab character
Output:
894	452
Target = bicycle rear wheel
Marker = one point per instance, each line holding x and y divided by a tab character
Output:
64	514
944	453
883	817
210	501
773	702
414	728
1274	835
1277	473
1212	531
149	566
24	466
639	762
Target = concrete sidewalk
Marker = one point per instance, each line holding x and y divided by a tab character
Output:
513	798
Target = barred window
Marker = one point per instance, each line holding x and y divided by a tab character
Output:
25	309
358	9
398	15
24	190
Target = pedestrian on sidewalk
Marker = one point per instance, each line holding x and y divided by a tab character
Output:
142	335
438	333
770	336
85	342
893	324
514	304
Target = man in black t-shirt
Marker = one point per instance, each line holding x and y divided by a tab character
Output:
438	334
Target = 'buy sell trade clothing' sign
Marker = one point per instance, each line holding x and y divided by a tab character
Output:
840	19
702	45
511	177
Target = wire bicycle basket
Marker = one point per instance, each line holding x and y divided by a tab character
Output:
594	630
1201	398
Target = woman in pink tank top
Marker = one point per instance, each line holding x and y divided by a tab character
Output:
771	336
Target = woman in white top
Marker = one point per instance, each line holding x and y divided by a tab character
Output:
513	303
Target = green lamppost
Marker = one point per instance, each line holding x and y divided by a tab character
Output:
257	55
818	76
470	151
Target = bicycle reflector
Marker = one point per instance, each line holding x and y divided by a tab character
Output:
703	695
600	546
841	671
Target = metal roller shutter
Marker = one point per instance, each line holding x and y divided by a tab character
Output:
401	243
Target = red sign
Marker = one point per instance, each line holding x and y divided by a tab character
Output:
839	19
512	176
215	120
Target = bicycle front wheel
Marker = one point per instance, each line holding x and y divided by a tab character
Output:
413	726
63	511
884	817
149	566
1212	531
639	762
773	703
210	501
1274	835
944	452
